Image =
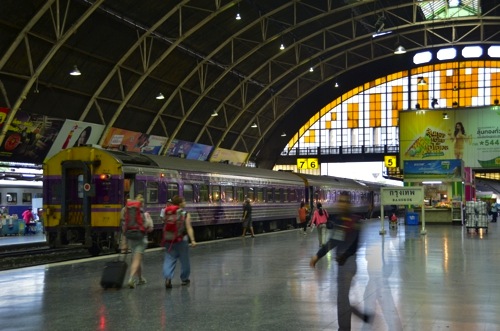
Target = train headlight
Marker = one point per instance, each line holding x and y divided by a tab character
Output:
105	176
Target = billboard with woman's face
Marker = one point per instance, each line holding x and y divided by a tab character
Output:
468	134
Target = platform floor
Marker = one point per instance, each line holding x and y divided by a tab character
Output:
444	280
6	241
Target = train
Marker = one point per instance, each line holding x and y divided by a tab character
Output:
85	188
18	195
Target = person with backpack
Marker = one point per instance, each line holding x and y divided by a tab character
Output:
136	225
319	219
176	230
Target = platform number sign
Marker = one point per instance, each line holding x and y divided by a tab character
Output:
309	163
390	161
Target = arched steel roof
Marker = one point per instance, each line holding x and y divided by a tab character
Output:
203	60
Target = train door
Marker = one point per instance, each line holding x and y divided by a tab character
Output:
128	188
76	193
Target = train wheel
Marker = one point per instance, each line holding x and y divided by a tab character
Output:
95	249
156	237
52	236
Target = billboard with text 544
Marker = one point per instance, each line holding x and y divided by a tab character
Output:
469	134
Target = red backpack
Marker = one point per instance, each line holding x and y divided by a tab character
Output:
174	228
134	221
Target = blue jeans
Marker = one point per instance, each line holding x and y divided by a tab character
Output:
174	252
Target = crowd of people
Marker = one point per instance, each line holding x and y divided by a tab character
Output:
342	234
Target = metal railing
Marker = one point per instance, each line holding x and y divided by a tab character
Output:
310	151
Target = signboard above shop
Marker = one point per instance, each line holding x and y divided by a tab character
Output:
442	170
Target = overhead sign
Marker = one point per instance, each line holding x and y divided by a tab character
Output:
390	161
309	163
402	196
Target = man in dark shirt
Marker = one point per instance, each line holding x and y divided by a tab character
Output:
345	239
247	218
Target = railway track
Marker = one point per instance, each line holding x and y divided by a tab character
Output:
39	255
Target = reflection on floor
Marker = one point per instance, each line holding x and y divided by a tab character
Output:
445	280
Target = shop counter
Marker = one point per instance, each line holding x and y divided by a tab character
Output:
436	215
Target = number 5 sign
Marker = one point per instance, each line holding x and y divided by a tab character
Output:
311	163
390	161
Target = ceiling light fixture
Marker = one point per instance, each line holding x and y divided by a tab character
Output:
254	125
421	81
282	46
75	71
283	134
336	84
238	17
214	113
400	50
160	96
311	69
445	116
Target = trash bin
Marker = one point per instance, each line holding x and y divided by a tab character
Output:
411	218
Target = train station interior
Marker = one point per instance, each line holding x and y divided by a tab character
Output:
229	101
445	280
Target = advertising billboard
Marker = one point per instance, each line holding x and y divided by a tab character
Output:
468	134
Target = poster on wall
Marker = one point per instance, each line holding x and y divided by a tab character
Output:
29	138
76	133
133	141
199	152
232	157
469	134
179	148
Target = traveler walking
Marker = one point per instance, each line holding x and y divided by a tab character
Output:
176	231
346	240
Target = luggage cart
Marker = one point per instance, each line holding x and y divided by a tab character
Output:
476	216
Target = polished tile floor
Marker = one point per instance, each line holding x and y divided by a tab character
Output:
444	280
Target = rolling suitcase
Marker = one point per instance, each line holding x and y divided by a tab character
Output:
113	274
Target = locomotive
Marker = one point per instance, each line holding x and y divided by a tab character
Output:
85	188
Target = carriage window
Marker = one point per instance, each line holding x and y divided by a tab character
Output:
228	194
140	188
203	193
152	192
278	194
188	193
12	197
284	196
240	196
172	190
269	195
215	196
292	197
251	194
26	197
259	194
